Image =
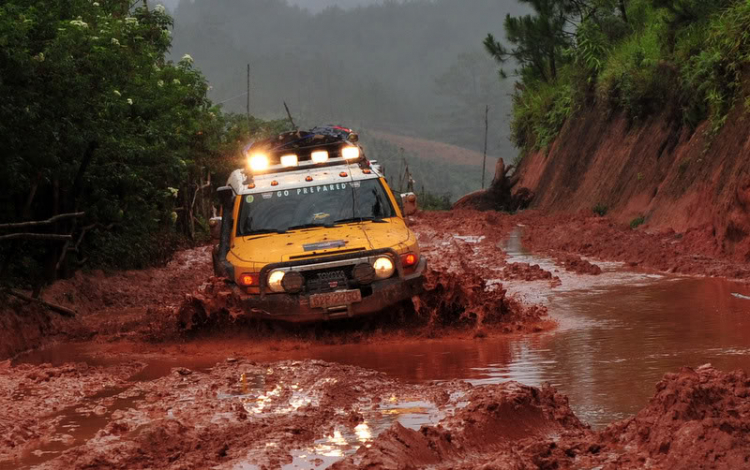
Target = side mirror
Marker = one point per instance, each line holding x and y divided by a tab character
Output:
214	224
409	204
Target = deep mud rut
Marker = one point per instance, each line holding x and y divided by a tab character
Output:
130	384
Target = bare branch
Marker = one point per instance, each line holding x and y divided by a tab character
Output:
35	236
64	311
38	223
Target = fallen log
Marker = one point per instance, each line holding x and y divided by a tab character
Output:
64	311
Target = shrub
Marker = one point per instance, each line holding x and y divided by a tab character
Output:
600	210
637	222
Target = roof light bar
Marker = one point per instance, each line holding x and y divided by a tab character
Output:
258	162
288	161
350	152
320	156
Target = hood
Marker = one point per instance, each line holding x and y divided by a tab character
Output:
311	243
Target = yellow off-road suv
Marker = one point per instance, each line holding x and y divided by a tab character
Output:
311	231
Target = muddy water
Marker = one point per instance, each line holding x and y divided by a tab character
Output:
619	334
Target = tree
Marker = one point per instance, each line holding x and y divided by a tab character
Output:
94	118
538	39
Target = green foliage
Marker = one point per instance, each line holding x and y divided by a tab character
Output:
642	57
95	119
600	210
540	112
637	222
714	73
434	202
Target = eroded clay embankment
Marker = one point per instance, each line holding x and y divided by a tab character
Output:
679	180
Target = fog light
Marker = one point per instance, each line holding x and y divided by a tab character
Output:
274	281
364	273
293	282
383	268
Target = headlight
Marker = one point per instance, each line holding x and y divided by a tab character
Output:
274	281
258	162
383	267
350	153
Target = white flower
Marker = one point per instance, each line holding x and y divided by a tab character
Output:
79	23
160	9
173	191
131	20
187	59
118	93
115	41
39	57
176	81
96	4
160	83
130	101
94	38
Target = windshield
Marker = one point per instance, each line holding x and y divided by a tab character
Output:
315	206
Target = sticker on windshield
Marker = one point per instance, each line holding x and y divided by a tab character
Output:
250	199
319	189
325	188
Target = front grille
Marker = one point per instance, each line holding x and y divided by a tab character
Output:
328	280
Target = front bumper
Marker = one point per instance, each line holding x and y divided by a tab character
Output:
296	308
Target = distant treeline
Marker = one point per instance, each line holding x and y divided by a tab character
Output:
445	181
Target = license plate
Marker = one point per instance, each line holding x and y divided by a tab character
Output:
335	299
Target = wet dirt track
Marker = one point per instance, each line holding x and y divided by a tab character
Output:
262	399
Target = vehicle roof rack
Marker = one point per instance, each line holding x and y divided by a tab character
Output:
330	141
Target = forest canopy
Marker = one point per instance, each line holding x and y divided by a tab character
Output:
684	59
96	120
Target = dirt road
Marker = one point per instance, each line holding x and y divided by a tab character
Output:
131	384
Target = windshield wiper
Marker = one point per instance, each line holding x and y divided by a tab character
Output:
264	231
300	227
350	220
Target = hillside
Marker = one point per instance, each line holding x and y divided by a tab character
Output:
644	119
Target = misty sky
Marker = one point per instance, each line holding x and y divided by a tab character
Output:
312	5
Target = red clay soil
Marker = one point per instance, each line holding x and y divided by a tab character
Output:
699	419
34	396
242	414
116	305
680	181
585	234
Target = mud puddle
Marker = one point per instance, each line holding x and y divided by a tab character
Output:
77	424
618	334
